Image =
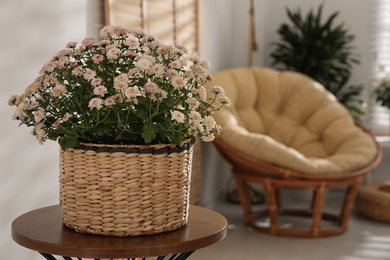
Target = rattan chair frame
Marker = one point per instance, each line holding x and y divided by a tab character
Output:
274	178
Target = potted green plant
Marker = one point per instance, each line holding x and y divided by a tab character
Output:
126	110
322	50
382	91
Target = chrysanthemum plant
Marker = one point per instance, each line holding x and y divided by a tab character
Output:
126	88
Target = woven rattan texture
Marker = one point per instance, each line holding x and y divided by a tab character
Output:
373	201
125	191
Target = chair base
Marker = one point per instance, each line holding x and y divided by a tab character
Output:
275	211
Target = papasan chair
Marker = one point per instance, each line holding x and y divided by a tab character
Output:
284	130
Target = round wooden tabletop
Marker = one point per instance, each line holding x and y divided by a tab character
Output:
42	230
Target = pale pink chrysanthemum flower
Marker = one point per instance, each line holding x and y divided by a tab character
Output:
158	94
39	115
150	87
66	117
97	58
71	44
113	53
105	32
40	135
33	88
131	53
195	116
88	41
154	44
97	81
133	71
198	69
89	75
205	64
95	103
58	90
132	42
194	59
48	67
171	73
177	116
157	69
208	138
193	102
100	90
120	82
62	62
209	122
138	32
217	90
200	128
33	105
50	80
109	101
39	127
176	64
143	64
12	100
132	92
56	123
182	48
189	74
21	104
164	50
78	71
224	100
177	82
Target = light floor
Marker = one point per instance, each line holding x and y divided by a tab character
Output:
365	239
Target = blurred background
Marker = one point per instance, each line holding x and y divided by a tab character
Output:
32	31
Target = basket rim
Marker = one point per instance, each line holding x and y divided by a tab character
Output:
134	148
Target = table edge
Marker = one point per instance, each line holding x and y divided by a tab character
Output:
63	250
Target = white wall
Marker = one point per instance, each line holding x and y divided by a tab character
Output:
33	30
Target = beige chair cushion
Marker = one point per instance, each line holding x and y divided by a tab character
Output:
287	119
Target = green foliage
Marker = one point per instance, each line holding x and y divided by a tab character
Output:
321	50
382	91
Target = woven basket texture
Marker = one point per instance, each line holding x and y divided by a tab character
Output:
125	190
373	200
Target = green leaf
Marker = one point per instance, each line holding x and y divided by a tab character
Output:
149	133
68	142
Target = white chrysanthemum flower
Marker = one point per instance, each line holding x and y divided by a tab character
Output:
196	116
208	138
113	53
100	90
178	82
209	122
39	115
132	92
193	102
178	116
132	42
217	90
143	64
89	75
120	82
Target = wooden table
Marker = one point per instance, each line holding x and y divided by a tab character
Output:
42	230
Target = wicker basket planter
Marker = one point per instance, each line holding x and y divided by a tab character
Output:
125	190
